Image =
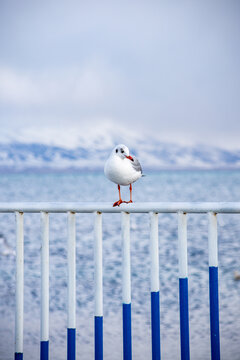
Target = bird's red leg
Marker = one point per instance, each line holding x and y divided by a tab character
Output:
117	203
130	188
130	201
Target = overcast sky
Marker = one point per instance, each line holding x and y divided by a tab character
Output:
170	68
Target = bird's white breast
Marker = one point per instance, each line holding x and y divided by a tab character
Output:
121	171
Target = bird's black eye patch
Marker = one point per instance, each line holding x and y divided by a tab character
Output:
116	150
122	151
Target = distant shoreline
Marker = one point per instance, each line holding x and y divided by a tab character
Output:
73	170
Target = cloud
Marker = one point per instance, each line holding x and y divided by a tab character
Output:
84	86
170	68
17	88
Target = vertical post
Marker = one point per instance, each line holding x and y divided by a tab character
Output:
126	284
44	346
71	331
183	285
19	287
213	286
98	287
155	304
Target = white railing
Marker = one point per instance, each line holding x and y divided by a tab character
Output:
153	209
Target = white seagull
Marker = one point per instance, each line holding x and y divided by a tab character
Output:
122	169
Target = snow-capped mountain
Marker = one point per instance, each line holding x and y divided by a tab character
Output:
153	154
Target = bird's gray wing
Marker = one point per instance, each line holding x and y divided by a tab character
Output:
136	164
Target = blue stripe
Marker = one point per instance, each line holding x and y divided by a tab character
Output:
184	321
127	332
71	344
44	350
155	317
214	312
18	356
98	338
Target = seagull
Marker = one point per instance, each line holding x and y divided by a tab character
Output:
122	169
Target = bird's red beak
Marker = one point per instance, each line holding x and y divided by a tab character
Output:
129	157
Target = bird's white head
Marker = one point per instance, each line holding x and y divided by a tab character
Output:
122	151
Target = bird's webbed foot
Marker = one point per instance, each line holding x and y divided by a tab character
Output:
118	203
128	202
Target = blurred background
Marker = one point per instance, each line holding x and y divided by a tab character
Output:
76	79
87	75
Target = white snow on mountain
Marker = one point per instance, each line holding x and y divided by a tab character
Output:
89	149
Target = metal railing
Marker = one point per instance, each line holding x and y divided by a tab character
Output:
98	208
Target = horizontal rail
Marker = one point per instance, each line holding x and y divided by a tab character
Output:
144	207
182	208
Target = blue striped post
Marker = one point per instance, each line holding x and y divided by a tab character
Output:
183	285
44	345
71	331
18	356
71	343
19	287
213	286
155	303
98	320
126	285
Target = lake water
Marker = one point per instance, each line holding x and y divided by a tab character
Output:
156	186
